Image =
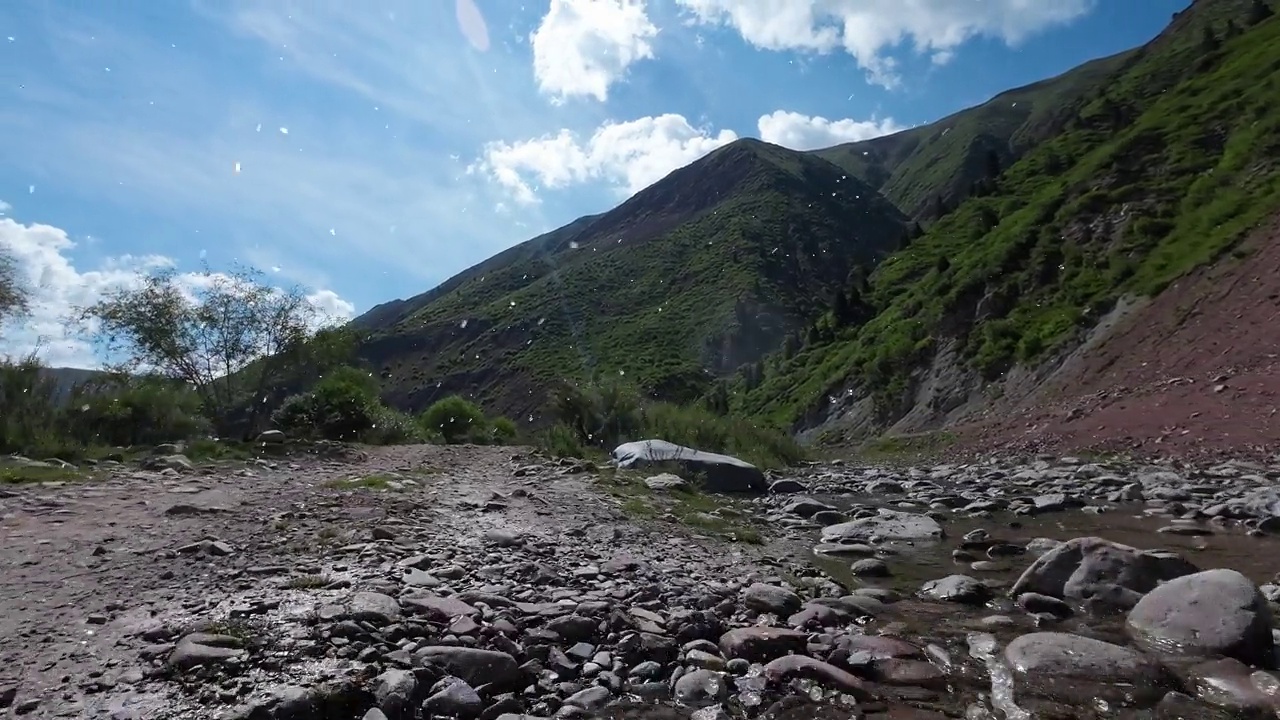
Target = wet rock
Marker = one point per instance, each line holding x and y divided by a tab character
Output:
1215	612
957	589
761	644
1062	666
700	687
1087	566
886	525
1229	684
784	669
870	567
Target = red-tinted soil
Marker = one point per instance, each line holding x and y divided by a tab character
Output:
1191	375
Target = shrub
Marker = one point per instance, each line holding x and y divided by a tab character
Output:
134	411
344	405
455	418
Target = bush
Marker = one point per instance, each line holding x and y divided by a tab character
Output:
344	405
456	419
134	411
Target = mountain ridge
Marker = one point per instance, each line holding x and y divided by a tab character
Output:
798	276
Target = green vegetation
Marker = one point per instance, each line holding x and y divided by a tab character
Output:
1165	168
13	474
904	449
709	268
713	515
596	417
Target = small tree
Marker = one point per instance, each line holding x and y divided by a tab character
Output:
13	294
230	337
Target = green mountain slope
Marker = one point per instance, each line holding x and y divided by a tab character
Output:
705	270
1164	168
940	162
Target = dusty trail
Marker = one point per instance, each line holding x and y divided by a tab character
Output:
470	582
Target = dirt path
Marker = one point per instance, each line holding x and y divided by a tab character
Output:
95	572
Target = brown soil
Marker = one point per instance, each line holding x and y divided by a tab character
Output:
1190	375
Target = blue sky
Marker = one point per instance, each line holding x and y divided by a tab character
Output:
370	150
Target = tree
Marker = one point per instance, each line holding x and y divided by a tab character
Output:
229	336
13	293
1208	41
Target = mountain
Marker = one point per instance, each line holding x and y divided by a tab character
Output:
806	282
1170	164
706	270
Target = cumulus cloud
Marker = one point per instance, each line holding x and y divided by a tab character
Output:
866	29
582	47
810	132
630	155
42	259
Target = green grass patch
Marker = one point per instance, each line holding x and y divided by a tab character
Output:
710	514
16	474
905	449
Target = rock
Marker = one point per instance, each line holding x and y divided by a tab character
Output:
665	481
440	609
700	688
786	486
719	473
176	462
870	567
455	698
271	437
761	644
771	599
888	525
1086	567
1067	667
958	589
472	664
206	649
790	667
1209	613
372	607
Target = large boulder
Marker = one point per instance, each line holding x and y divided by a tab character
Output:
1092	568
1210	613
718	473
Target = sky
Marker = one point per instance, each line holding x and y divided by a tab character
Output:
368	151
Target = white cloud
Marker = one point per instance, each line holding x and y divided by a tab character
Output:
631	155
5	207
179	139
810	132
582	47
41	255
866	29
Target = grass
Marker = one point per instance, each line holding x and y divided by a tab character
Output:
904	449
713	515
15	474
1166	168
